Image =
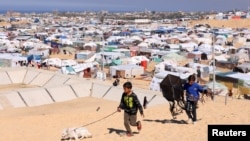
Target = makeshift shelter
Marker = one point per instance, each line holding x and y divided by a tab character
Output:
230	50
240	57
68	70
12	60
194	55
219	88
108	58
56	62
116	62
143	45
126	71
134	50
173	56
85	56
126	52
68	49
205	69
91	46
138	60
236	80
166	65
68	62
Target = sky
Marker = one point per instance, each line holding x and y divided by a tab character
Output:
124	5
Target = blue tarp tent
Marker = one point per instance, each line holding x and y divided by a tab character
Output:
36	58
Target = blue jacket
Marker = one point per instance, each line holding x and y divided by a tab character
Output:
193	91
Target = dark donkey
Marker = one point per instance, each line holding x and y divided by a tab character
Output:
171	87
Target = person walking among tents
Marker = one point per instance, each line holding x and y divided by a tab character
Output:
192	90
198	74
116	82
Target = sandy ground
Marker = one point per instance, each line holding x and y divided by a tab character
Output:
231	23
46	123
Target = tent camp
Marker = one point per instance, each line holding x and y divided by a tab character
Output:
11	60
235	79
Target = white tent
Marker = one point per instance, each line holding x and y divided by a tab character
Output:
137	59
189	46
205	48
127	71
57	62
90	44
173	56
68	62
162	65
143	45
136	38
83	66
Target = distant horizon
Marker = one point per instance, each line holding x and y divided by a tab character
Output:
111	11
124	6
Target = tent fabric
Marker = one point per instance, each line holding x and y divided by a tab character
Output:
224	77
217	86
173	56
117	61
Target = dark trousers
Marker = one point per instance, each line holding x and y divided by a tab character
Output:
129	120
191	110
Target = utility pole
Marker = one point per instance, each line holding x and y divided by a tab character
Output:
103	73
213	57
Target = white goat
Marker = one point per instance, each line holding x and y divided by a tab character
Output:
75	133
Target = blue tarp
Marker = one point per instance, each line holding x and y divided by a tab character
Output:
36	58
